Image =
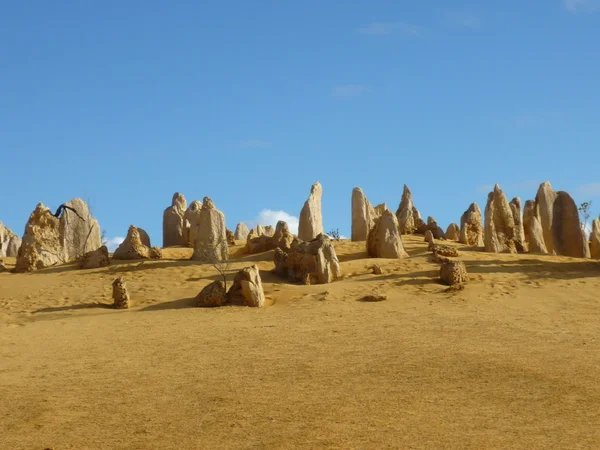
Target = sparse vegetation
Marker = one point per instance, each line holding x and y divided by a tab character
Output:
335	234
209	254
584	211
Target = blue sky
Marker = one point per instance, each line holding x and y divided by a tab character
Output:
249	102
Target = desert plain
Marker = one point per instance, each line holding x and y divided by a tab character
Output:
511	361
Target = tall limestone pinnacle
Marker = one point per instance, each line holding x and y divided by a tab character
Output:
311	219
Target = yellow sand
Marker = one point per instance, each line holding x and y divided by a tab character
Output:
513	361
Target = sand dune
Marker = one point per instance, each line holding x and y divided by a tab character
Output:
512	361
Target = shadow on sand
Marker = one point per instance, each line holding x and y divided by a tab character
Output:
73	307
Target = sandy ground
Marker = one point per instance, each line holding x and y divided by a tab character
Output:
512	361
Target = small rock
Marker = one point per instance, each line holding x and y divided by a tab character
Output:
429	237
247	287
443	250
374	298
120	294
95	259
453	273
376	269
212	295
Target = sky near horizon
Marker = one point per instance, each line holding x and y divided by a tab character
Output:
123	103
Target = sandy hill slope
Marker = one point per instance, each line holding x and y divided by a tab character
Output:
512	361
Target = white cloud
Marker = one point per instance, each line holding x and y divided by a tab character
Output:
113	243
528	185
270	217
590	190
349	90
255	143
386	28
576	6
461	18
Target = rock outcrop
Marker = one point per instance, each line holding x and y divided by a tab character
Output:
532	229
191	220
49	240
363	215
471	226
230	237
499	235
282	238
260	230
453	232
9	242
174	227
120	294
241	232
269	230
432	225
384	239
211	242
453	273
144	237
595	239
212	295
429	237
95	259
247	288
80	232
406	213
311	220
134	248
560	222
313	262
42	243
520	242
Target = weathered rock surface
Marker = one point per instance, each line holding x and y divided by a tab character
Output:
384	239
144	237
42	243
560	222
269	230
443	250
595	239
313	262
133	247
453	273
120	294
544	203
241	232
212	295
191	220
311	220
433	226
406	213
80	232
95	259
9	242
363	215
532	229
453	232
211	242
49	240
499	235
247	288
174	228
260	230
282	238
520	241
230	237
471	226
429	237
